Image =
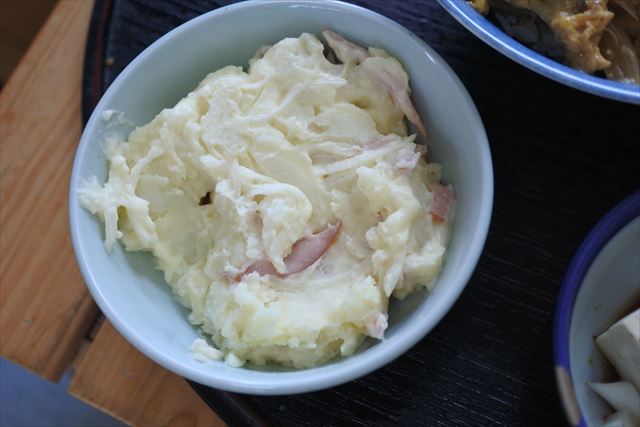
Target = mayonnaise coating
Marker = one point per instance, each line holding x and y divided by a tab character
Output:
285	204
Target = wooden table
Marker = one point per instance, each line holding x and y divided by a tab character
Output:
48	321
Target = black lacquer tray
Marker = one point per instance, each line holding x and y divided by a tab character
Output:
562	159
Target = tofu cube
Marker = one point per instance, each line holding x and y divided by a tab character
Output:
621	346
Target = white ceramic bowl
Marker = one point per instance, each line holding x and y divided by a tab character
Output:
134	296
601	285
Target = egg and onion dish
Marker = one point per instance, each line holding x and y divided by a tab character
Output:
595	35
285	204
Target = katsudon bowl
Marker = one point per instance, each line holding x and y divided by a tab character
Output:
133	294
493	35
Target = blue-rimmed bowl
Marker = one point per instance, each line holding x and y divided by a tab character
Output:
601	285
486	31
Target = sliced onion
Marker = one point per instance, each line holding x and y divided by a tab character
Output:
617	47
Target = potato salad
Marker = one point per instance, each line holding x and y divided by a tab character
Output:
285	203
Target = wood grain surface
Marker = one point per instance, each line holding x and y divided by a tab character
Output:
116	378
46	312
45	308
18	27
562	159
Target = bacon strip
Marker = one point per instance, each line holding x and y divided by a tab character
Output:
262	267
406	161
399	92
377	327
442	197
309	249
345	50
304	253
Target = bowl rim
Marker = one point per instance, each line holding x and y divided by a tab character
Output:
606	229
482	28
323	376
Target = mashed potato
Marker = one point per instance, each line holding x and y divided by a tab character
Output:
286	204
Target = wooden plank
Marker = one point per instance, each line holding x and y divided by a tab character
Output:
46	310
118	379
45	306
18	27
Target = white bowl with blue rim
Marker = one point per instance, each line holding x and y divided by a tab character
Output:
600	286
486	31
134	296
